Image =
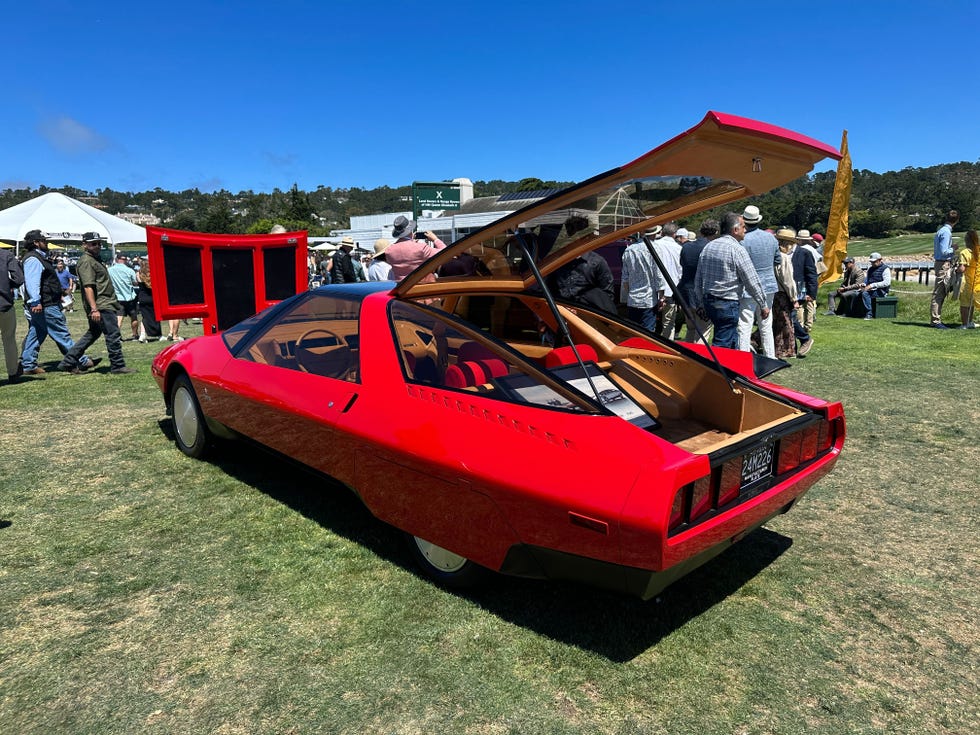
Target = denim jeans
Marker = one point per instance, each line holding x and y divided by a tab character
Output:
49	321
108	325
866	298
646	317
724	315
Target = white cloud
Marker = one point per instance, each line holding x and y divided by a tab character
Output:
70	136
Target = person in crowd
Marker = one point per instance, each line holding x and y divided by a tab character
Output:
173	329
849	289
969	256
942	253
407	253
724	271
124	283
682	236
763	250
379	270
818	243
101	308
42	307
360	274
587	280
805	273
690	255
149	326
326	265
11	277
642	285
68	282
877	282
786	328
669	253
343	267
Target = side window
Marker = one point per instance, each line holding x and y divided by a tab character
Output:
434	352
505	317
319	335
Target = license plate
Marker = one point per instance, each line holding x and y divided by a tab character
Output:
757	464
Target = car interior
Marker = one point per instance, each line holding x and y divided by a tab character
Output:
692	403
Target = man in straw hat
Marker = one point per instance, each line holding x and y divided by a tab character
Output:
764	252
379	270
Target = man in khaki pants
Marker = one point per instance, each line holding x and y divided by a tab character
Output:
942	253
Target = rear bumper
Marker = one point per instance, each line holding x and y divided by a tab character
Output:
541	563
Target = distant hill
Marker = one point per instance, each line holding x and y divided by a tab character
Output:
882	205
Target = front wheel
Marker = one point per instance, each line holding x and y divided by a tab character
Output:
190	429
445	567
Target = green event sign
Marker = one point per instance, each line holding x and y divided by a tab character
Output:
434	195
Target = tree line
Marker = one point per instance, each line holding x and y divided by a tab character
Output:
882	204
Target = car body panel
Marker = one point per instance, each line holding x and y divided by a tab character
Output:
621	458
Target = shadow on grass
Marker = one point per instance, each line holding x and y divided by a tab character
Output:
608	624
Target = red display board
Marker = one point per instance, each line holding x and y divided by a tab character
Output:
223	279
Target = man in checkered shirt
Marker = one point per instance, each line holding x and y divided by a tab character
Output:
724	270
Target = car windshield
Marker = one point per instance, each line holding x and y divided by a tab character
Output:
606	216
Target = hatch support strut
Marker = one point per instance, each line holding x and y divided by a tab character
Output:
553	307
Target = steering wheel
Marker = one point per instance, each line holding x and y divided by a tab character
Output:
331	360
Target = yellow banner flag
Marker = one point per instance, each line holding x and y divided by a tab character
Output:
835	245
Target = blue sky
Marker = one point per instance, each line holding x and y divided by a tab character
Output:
249	95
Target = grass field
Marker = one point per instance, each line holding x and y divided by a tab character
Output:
144	592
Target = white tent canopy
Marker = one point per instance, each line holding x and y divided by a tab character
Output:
62	218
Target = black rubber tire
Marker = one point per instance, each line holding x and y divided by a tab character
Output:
190	429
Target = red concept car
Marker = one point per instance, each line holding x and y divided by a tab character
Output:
502	428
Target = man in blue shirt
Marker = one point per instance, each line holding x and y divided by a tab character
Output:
68	281
124	283
42	307
763	249
724	272
942	253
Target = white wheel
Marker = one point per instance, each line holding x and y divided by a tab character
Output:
189	428
444	566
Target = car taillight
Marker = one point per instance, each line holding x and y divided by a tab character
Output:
825	437
701	497
808	450
789	452
677	509
730	482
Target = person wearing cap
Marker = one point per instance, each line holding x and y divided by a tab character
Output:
101	308
724	271
42	307
786	328
805	272
942	253
763	250
877	282
641	283
849	289
379	270
343	267
407	253
11	276
818	243
682	236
